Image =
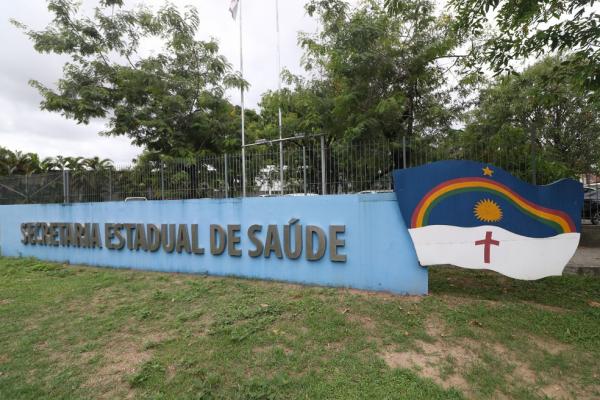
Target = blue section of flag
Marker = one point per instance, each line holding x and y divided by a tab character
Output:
413	184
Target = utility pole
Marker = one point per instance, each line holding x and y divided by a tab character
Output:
233	8
281	178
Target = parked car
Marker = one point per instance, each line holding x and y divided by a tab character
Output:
591	206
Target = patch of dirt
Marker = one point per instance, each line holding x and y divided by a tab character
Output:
201	326
556	391
334	346
262	349
446	360
266	349
155	338
362	320
593	304
101	297
426	364
57	357
551	346
435	327
5	301
171	372
521	370
546	307
122	356
304	330
41	346
383	295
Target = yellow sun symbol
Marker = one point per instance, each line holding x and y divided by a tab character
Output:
487	210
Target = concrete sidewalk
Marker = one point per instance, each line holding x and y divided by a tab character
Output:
586	261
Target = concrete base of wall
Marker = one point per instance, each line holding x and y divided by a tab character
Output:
590	236
585	262
582	271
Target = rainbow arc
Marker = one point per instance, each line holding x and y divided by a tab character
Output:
558	220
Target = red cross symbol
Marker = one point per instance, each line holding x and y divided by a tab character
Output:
487	242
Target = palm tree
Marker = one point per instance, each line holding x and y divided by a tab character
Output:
74	163
96	164
57	163
24	163
5	160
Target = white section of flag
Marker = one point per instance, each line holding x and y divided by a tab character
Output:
233	7
516	256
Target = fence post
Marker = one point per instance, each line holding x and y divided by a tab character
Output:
226	175
281	177
323	165
162	180
68	172
65	186
109	185
404	152
304	167
533	156
243	163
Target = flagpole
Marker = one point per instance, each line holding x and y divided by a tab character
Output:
243	109
279	97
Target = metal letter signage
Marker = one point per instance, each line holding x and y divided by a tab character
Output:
478	216
88	236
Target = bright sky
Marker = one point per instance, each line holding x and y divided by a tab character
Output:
23	126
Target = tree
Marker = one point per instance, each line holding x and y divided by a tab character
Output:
18	162
302	105
539	119
373	77
96	164
53	163
379	72
5	161
172	102
531	28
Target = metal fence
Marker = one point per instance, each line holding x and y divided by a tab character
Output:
310	166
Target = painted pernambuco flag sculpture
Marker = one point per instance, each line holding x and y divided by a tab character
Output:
475	215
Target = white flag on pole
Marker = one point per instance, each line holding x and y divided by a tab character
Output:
233	7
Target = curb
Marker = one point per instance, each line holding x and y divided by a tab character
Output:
590	236
580	270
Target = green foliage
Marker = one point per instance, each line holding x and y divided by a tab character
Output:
304	108
376	75
172	101
546	106
521	29
19	163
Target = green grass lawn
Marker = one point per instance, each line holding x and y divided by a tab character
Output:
80	332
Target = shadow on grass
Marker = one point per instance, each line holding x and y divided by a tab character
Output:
570	292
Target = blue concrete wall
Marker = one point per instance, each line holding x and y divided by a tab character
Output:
380	254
